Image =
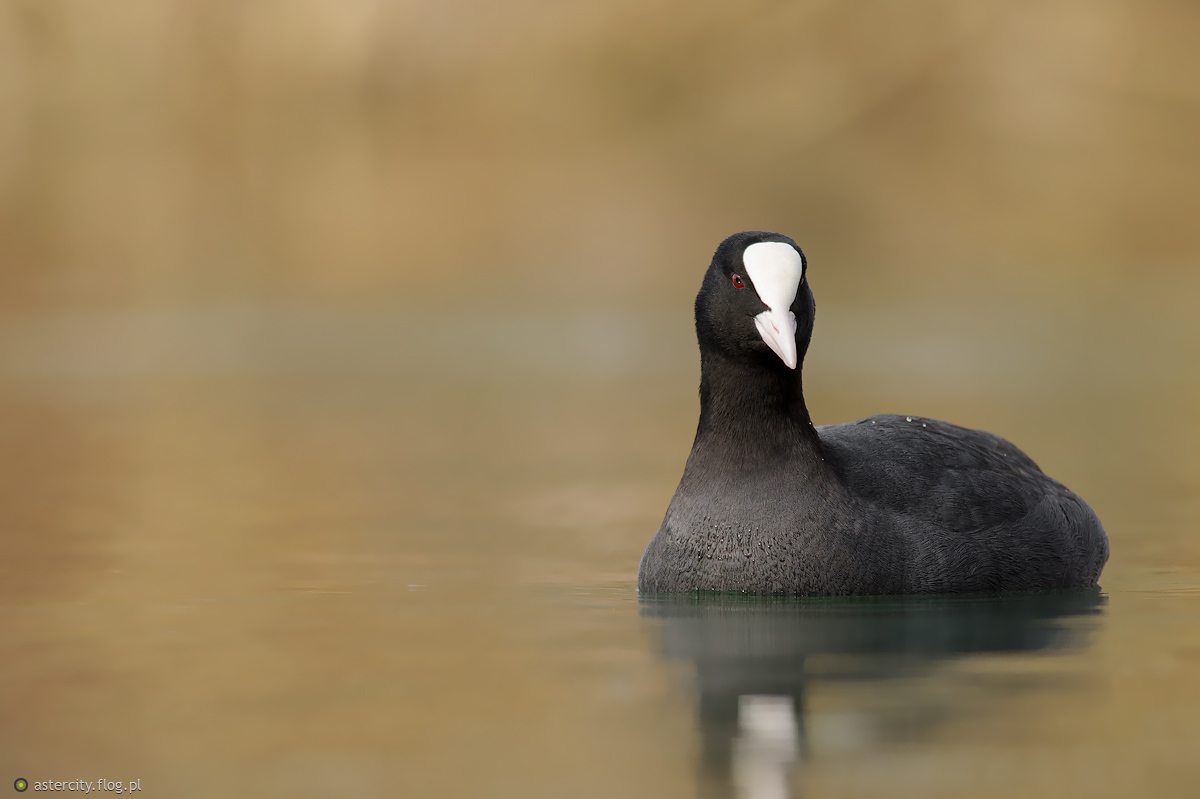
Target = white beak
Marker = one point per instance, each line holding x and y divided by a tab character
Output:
776	270
778	329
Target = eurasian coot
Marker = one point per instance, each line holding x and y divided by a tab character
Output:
769	503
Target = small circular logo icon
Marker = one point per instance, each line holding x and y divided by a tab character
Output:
21	785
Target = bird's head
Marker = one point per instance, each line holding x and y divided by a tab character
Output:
755	303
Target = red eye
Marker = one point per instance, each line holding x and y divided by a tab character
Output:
737	282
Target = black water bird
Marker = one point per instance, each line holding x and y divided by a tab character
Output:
769	503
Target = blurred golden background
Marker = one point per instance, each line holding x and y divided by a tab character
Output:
346	366
585	151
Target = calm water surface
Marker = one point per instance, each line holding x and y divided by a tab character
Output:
262	551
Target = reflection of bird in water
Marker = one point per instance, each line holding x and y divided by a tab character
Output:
765	747
770	504
753	656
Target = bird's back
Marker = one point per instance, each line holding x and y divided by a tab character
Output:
976	512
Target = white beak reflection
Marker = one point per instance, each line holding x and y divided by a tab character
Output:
766	746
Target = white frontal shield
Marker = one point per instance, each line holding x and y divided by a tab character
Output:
775	269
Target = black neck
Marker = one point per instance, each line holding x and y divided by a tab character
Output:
753	413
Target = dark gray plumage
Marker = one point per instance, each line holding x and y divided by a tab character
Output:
768	503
